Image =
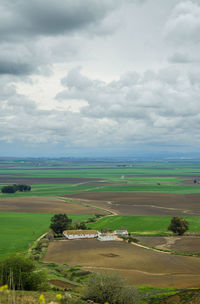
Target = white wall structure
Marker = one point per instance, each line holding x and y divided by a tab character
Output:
80	234
106	237
121	232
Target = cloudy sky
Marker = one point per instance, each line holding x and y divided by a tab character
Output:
97	78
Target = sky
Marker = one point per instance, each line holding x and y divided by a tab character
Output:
99	78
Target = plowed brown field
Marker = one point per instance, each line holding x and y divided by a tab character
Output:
46	180
188	244
144	203
43	205
139	265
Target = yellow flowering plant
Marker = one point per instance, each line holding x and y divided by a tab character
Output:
4	288
42	299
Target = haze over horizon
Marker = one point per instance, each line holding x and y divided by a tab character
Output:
99	78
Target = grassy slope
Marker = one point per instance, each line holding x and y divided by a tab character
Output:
19	229
150	225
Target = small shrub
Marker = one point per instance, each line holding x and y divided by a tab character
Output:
102	288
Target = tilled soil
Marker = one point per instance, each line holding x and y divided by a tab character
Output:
46	180
188	244
44	205
139	265
144	203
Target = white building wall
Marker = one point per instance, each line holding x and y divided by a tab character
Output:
80	236
106	238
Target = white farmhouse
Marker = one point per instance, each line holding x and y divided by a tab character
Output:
80	234
106	237
121	232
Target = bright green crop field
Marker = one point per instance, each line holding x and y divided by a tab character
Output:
18	230
143	225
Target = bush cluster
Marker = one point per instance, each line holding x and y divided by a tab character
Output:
15	187
102	288
20	273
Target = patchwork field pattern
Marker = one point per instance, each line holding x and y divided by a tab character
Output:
143	196
56	178
140	266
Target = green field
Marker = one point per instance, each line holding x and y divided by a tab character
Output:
164	177
18	230
143	225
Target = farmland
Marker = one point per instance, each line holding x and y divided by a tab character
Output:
18	230
141	225
140	266
59	178
142	203
141	196
183	244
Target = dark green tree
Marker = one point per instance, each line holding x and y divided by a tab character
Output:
60	222
178	225
81	226
8	189
21	273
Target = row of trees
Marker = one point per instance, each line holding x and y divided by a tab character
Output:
15	187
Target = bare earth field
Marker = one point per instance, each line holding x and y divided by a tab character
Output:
139	265
189	244
144	203
43	205
46	180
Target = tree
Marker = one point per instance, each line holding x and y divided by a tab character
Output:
60	222
8	189
21	273
178	225
81	226
102	288
15	187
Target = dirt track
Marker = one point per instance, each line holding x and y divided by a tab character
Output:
140	266
144	203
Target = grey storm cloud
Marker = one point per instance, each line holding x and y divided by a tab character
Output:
28	31
21	18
